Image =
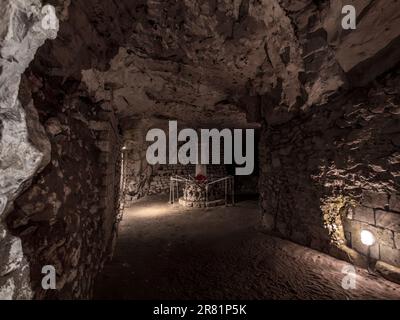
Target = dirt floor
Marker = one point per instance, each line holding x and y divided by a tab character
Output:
169	252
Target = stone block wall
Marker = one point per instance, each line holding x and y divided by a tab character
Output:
378	213
109	143
334	159
141	178
155	179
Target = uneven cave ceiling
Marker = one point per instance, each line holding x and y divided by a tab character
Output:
218	63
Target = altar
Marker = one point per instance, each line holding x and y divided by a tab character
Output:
201	191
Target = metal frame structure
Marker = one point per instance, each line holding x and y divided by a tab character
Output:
229	188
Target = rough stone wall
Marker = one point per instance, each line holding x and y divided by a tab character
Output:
21	34
154	179
65	218
45	214
338	158
379	213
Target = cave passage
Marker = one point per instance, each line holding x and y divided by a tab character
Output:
83	82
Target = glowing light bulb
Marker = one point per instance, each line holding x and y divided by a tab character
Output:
367	237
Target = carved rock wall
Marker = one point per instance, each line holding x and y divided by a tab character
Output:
66	218
341	157
24	148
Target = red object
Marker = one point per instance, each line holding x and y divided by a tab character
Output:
200	178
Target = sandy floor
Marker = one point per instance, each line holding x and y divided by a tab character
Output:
169	252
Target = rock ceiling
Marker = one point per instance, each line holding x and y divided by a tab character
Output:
218	63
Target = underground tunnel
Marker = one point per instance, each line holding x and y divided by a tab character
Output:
107	107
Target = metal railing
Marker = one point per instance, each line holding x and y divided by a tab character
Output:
229	188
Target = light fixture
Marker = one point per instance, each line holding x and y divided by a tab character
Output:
124	148
367	237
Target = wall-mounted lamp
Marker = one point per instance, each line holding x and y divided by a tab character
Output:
124	148
368	239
